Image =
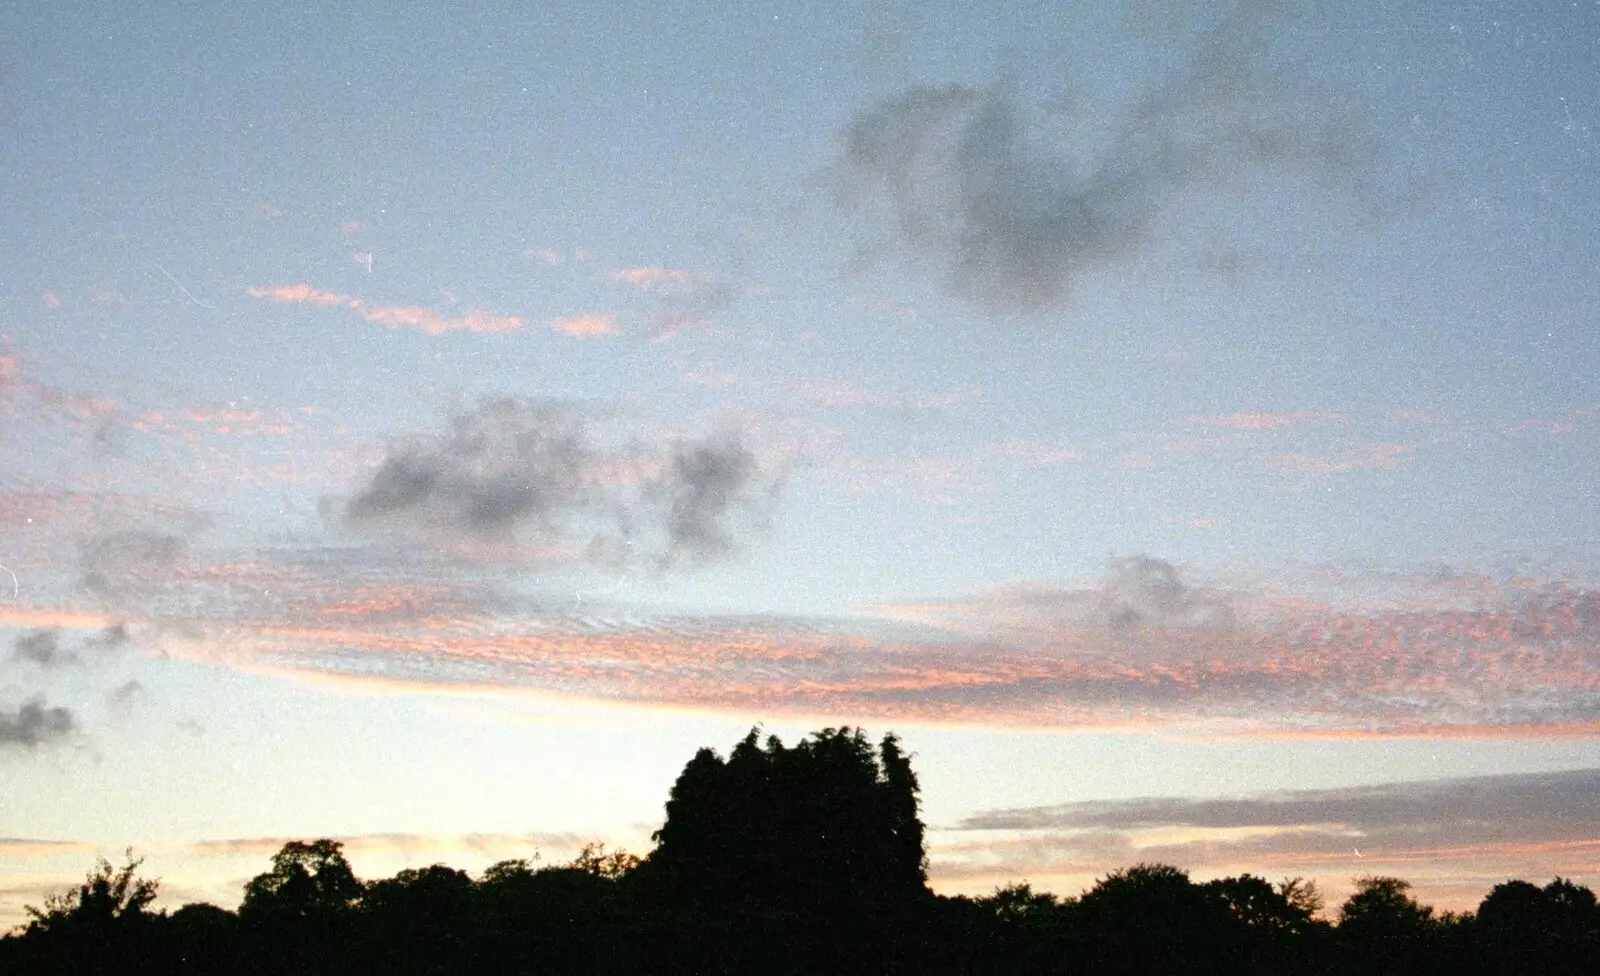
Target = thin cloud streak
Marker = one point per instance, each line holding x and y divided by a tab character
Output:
1267	421
420	318
401	843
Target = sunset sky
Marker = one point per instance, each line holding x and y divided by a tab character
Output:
426	425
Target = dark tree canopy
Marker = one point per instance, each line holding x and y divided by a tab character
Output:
830	818
792	843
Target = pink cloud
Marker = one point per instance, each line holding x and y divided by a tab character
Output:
236	420
1033	453
1384	457
301	293
718	379
654	278
1409	415
837	394
51	300
589	326
1557	425
432	323
1141	647
1193	521
1266	421
423	319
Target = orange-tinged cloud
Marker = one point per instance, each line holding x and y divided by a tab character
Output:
589	326
59	618
1385	457
301	293
28	847
656	278
1267	421
421	318
1452	657
411	844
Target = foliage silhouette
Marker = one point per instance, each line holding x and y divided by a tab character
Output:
107	897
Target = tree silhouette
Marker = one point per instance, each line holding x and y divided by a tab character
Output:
1382	929
1550	931
417	922
298	914
817	848
108	896
1151	919
306	878
103	923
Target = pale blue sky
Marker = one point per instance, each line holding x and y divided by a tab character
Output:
1164	399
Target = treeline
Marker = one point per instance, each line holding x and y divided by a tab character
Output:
777	859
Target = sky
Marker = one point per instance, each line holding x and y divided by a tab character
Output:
427	427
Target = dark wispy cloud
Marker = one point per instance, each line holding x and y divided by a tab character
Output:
35	724
548	481
1009	205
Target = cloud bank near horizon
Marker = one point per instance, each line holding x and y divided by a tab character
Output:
1456	838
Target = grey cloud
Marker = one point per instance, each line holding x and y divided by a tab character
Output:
131	561
693	306
1010	207
1484	827
1137	593
1144	590
33	725
1521	807
112	636
126	692
505	466
708	483
43	648
519	475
